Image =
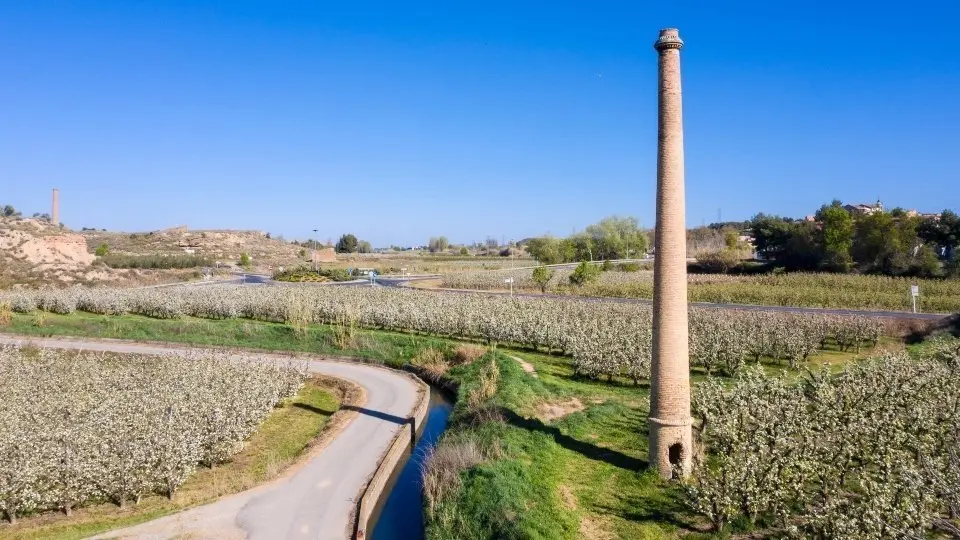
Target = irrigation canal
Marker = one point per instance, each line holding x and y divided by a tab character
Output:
401	514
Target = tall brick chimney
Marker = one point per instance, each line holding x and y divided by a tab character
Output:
671	439
55	212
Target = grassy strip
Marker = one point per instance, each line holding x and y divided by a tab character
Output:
391	348
582	475
284	435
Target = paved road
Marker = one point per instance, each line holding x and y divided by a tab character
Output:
316	500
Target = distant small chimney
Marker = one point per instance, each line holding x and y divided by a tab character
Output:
55	215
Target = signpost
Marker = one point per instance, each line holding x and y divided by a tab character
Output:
914	294
510	281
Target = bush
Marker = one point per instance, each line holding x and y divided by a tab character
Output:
542	276
244	260
467	354
154	262
585	273
629	267
606	266
102	250
719	261
442	467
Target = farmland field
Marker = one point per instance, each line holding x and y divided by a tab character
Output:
846	291
562	453
570	447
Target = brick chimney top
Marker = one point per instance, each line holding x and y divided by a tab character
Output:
669	39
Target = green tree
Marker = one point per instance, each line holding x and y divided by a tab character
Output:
617	237
925	263
347	243
102	250
10	211
463	251
584	273
542	276
438	244
244	260
837	238
545	249
364	247
944	233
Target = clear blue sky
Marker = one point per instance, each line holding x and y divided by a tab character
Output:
402	120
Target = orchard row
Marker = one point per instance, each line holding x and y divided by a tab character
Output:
606	339
83	427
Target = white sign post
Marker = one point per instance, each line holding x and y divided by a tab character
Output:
510	281
914	294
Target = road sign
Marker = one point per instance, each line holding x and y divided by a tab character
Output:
914	290
508	280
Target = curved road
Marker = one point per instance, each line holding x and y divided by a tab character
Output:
317	499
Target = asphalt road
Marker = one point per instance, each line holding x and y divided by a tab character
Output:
317	499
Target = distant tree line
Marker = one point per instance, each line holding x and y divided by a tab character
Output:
611	238
837	240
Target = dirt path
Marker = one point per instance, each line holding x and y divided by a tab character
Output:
315	500
527	366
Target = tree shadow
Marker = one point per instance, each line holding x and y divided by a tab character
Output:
602	382
315	410
591	451
377	414
666	508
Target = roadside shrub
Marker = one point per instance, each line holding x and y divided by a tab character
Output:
585	273
102	250
542	276
629	267
6	314
468	353
719	261
442	467
486	386
432	362
154	262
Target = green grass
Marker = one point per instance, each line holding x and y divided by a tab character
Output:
582	475
392	348
282	437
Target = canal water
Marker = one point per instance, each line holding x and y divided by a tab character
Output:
401	517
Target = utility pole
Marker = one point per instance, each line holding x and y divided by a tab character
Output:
313	257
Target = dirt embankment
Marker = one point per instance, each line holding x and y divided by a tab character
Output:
34	253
